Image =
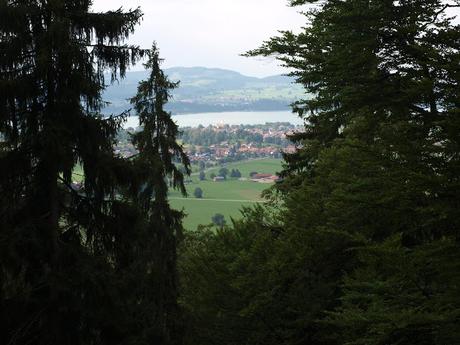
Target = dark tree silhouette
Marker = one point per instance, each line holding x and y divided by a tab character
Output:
67	255
218	219
198	193
223	172
154	166
359	244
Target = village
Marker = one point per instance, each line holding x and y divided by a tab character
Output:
220	144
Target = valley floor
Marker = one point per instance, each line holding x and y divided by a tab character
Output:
227	197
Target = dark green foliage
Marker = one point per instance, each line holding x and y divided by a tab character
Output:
359	243
245	134
90	265
402	296
202	176
207	269
157	141
223	172
198	193
362	58
218	219
155	263
235	173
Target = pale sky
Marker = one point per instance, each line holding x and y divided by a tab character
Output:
211	33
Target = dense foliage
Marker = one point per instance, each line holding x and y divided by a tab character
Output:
89	264
360	244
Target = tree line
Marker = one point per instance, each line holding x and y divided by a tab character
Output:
207	136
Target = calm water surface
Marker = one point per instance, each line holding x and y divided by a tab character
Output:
230	118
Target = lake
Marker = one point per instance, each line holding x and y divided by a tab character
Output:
230	118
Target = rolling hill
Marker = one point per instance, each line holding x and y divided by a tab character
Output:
212	90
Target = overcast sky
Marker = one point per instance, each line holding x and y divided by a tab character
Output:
212	33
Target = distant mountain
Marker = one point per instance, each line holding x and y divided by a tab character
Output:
212	90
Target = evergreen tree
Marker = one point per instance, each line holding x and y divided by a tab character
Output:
386	69
156	142
223	172
67	255
198	193
154	259
380	139
359	244
218	220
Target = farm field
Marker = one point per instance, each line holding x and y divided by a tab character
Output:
261	165
226	198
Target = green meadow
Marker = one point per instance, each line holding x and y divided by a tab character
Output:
226	197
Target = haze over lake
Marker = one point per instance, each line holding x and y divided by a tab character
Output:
230	118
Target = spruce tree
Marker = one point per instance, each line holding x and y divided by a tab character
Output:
156	167
67	254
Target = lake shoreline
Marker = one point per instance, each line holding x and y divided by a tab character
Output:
228	118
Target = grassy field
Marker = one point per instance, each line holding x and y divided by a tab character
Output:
227	197
263	165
